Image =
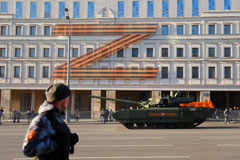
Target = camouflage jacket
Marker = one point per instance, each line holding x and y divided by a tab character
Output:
47	137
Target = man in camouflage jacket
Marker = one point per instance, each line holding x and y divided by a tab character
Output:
48	137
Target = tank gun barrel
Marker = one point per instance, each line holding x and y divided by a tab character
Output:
117	100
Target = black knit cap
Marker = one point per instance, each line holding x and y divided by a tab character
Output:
56	92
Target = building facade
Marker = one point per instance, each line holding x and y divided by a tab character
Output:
194	48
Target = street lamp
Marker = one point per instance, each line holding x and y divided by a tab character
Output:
68	62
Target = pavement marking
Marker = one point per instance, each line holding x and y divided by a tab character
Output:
135	157
128	138
220	137
228	145
129	157
119	145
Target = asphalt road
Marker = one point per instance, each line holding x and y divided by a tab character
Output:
209	141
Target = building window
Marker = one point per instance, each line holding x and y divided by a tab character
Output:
227	72
76	9
91	9
135	9
194	52
120	53
179	29
180	8
16	72
61	10
18	10
211	4
194	72
164	8
89	49
60	52
227	4
47	10
31	52
227	29
45	72
211	72
211	52
227	52
150	9
179	72
164	52
33	9
3	30
32	30
18	30
211	29
194	29
164	29
75	52
47	30
195	11
46	52
2	71
164	72
179	52
149	52
2	52
30	72
134	52
17	52
4	7
120	9
25	102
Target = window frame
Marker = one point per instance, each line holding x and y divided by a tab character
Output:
118	53
147	48
195	74
15	70
45	31
18	29
43	72
45	49
138	52
193	32
165	28
1	54
178	25
210	74
209	29
177	72
16	49
2	74
30	74
30	30
214	52
6	31
225	74
164	73
177	52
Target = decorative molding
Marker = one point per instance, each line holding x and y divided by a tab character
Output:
106	13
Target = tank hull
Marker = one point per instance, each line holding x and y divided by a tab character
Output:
170	117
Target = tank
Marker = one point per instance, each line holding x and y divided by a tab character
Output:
164	112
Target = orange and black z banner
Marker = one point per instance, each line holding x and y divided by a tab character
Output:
130	34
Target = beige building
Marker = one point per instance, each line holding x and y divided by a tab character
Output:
194	48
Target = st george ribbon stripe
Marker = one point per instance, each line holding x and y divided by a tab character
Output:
131	34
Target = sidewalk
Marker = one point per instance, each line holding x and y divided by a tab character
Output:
72	121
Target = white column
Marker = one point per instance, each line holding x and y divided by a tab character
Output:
72	101
95	105
33	100
111	104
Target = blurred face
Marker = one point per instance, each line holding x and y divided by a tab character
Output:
64	103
